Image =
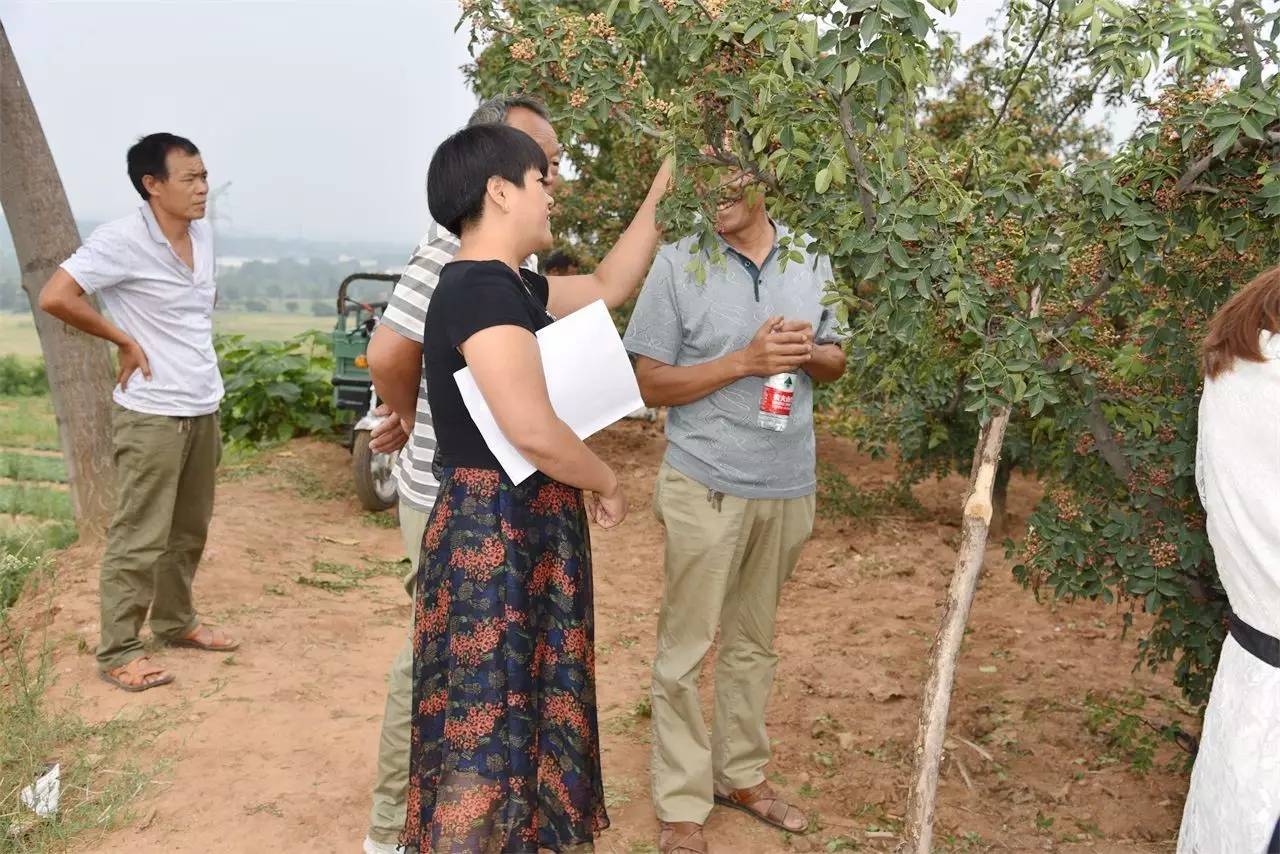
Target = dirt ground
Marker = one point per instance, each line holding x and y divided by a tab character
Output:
272	748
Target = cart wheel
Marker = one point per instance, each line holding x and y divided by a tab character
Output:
375	474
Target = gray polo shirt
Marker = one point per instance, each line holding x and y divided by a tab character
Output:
679	321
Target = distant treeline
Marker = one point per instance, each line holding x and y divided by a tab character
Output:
304	287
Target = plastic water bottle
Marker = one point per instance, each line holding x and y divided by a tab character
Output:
775	402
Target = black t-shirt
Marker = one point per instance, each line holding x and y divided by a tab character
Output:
471	296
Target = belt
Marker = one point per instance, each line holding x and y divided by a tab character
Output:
1259	644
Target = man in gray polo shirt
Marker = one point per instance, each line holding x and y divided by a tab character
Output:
153	272
736	499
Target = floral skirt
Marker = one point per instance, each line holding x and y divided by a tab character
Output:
505	744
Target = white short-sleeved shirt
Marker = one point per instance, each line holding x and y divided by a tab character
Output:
162	304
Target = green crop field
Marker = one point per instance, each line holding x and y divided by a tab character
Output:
35	506
18	331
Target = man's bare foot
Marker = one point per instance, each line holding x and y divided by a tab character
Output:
138	675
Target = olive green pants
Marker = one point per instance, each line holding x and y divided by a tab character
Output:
387	817
166	468
726	561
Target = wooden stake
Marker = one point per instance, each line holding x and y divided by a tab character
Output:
936	703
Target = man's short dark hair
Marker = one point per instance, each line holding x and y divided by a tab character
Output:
147	155
463	164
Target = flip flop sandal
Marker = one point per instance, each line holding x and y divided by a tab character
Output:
192	643
771	816
145	685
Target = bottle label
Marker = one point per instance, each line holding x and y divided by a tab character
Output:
776	401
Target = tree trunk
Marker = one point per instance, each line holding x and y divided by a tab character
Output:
946	646
1000	500
44	234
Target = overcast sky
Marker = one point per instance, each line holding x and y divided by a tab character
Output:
323	115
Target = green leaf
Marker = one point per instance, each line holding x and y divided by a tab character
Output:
826	66
754	31
893	8
871	74
822	181
898	253
1225	140
1080	13
870	27
1251	127
906	230
613	8
851	72
838	170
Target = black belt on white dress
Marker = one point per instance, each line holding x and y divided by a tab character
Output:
1257	643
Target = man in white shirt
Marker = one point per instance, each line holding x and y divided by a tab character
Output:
153	273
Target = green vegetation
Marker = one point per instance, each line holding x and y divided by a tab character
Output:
22	376
15	465
838	497
341	577
18	332
99	771
995	262
276	389
35	516
28	422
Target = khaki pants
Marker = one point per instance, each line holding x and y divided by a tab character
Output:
165	473
387	817
726	561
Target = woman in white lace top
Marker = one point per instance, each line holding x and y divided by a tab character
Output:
1234	803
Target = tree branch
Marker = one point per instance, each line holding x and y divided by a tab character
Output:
1103	438
640	126
1008	96
865	199
1201	166
1245	32
1099	291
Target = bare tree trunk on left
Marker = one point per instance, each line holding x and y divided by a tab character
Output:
44	234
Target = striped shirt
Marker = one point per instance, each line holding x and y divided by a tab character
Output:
406	314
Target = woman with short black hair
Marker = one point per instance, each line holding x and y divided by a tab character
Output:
505	744
1234	802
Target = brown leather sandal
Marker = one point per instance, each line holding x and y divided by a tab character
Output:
681	837
137	675
762	802
208	639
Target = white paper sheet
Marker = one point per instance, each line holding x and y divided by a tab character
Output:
589	380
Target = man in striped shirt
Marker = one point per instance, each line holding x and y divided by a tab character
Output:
395	361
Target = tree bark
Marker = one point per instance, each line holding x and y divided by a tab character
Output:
1000	499
936	703
44	234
